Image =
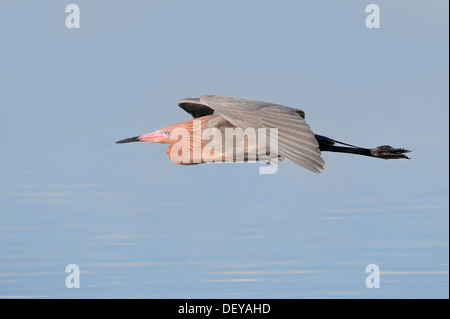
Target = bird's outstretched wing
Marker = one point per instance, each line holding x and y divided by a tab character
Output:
296	141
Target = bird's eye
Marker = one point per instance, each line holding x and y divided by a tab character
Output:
166	132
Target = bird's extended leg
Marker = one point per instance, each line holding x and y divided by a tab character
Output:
386	152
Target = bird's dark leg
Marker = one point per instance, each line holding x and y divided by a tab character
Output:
386	152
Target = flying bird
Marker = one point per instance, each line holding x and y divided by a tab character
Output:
293	140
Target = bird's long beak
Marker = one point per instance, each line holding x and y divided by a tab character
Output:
129	140
150	137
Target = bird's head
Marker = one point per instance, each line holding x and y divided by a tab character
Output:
159	136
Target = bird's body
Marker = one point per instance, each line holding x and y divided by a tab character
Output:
228	129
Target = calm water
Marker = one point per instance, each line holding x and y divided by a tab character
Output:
130	243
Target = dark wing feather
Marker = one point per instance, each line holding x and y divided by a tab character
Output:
296	141
195	107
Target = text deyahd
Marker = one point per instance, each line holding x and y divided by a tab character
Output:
245	308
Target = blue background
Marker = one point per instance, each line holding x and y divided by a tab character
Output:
140	226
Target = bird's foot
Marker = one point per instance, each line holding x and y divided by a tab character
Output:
388	152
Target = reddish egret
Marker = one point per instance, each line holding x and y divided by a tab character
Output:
294	139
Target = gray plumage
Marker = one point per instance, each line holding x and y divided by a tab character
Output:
296	140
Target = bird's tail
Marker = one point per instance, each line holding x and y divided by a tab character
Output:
386	152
